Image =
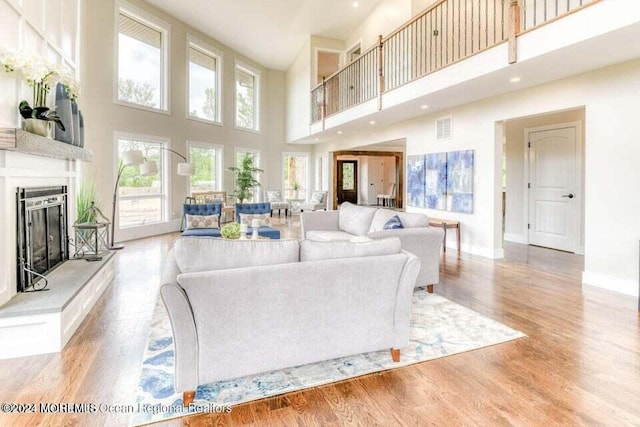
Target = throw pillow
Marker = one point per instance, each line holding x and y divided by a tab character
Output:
394	223
265	219
317	198
274	196
202	221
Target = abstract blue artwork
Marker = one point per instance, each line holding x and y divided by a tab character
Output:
460	181
416	181
435	192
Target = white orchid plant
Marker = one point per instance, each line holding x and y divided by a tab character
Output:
39	74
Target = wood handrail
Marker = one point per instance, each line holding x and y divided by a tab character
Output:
352	62
425	12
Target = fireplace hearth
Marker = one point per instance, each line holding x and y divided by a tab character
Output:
43	242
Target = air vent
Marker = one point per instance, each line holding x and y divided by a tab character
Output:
444	128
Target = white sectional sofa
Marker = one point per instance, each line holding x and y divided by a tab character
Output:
351	220
243	307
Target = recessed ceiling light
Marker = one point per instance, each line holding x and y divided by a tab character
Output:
317	139
424	107
339	132
515	79
355	4
372	122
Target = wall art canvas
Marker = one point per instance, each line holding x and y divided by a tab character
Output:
460	181
416	180
436	181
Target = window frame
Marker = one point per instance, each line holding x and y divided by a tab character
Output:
307	183
245	68
219	162
206	49
145	18
165	143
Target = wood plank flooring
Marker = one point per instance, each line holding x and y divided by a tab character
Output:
580	364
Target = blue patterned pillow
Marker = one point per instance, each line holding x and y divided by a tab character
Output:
393	223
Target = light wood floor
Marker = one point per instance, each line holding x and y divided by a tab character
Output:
580	364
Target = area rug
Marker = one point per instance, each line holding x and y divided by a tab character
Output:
439	328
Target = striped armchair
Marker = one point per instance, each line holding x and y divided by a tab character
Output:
275	198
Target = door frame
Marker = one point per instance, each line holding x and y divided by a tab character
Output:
316	51
579	245
356	179
399	156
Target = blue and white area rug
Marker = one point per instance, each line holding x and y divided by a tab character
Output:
439	328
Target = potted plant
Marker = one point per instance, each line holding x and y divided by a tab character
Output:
230	231
296	188
245	177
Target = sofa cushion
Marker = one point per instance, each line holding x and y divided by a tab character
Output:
381	217
394	223
355	219
315	251
195	254
201	221
328	236
413	220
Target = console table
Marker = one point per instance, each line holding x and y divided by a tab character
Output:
446	224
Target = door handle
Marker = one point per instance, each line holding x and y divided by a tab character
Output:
570	196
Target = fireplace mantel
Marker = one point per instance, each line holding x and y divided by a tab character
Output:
24	142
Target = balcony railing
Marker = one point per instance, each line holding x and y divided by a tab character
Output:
447	32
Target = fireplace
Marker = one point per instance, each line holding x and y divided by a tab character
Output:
42	239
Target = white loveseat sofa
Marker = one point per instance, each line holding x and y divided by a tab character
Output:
243	307
351	220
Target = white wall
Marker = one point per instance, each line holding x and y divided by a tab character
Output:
383	19
103	117
611	98
515	229
298	82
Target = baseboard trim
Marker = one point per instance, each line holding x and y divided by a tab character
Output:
477	250
143	231
516	238
615	284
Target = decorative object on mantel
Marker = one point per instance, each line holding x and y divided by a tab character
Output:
76	123
38	120
81	120
39	75
231	231
63	109
129	158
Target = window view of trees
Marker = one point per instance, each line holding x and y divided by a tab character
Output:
141	198
245	100
295	175
140	66
203	85
205	163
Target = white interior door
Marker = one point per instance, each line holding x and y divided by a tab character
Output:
376	177
553	195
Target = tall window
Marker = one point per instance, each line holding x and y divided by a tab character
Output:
142	199
295	175
247	95
255	155
207	162
141	61
204	82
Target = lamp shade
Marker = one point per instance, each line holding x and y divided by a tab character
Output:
185	169
132	157
149	168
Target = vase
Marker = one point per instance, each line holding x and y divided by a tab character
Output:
81	120
63	110
38	127
76	123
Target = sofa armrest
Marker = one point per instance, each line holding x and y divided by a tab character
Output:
424	242
402	312
184	336
319	221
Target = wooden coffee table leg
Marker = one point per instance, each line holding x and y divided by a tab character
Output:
458	237
444	239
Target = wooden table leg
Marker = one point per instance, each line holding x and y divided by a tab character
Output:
458	237
444	239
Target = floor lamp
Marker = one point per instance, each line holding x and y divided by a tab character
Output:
129	158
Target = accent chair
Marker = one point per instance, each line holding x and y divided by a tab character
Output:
275	198
317	202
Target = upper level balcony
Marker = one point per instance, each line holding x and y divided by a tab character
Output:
459	51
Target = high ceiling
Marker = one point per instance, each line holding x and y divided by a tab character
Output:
269	31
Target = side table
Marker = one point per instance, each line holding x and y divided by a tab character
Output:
446	224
